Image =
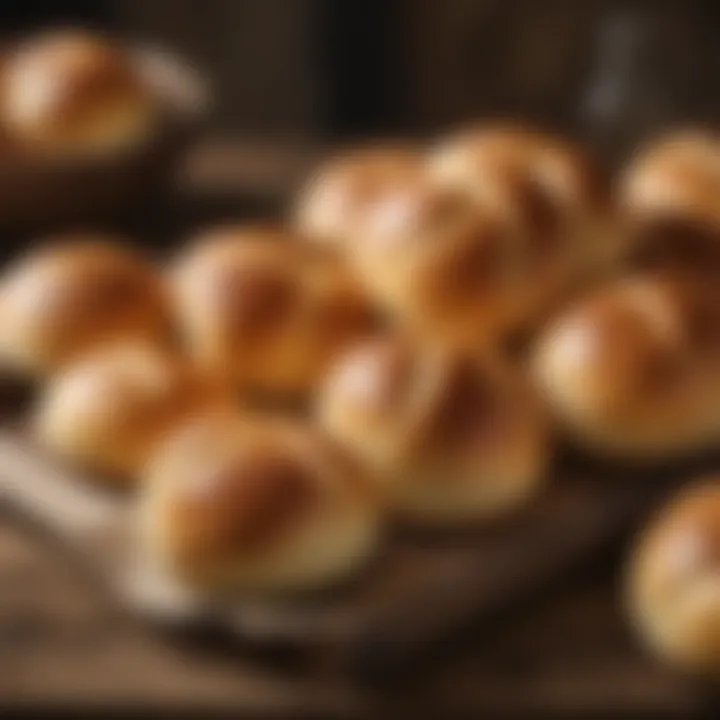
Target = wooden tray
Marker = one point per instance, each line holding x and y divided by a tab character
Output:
423	588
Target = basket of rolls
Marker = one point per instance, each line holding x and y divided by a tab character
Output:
341	428
89	126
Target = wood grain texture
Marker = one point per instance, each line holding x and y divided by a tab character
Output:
62	642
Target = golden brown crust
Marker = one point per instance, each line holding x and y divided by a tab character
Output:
668	194
684	539
256	299
223	518
256	502
439	263
336	197
571	181
453	437
575	178
107	412
679	172
626	350
383	374
529	205
74	294
673	588
69	92
466	412
263	309
549	191
635	365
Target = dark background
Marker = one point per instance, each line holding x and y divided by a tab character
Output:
609	71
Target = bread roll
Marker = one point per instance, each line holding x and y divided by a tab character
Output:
679	172
65	298
259	309
69	93
669	197
633	370
106	413
674	580
550	190
443	267
449	438
332	204
256	505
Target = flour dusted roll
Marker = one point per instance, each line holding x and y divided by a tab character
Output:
71	93
669	197
633	370
673	582
332	204
550	190
450	438
74	294
443	267
107	412
258	505
263	310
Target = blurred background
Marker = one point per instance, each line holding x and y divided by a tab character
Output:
289	74
610	71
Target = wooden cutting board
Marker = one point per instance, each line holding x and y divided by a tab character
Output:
423	588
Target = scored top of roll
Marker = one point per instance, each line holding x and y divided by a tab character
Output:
75	293
332	204
257	305
633	368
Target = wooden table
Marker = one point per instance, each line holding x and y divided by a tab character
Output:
62	642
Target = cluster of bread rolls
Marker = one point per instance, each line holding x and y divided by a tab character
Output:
436	314
631	368
144	376
615	288
73	94
471	241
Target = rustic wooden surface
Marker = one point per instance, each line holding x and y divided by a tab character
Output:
421	589
63	641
